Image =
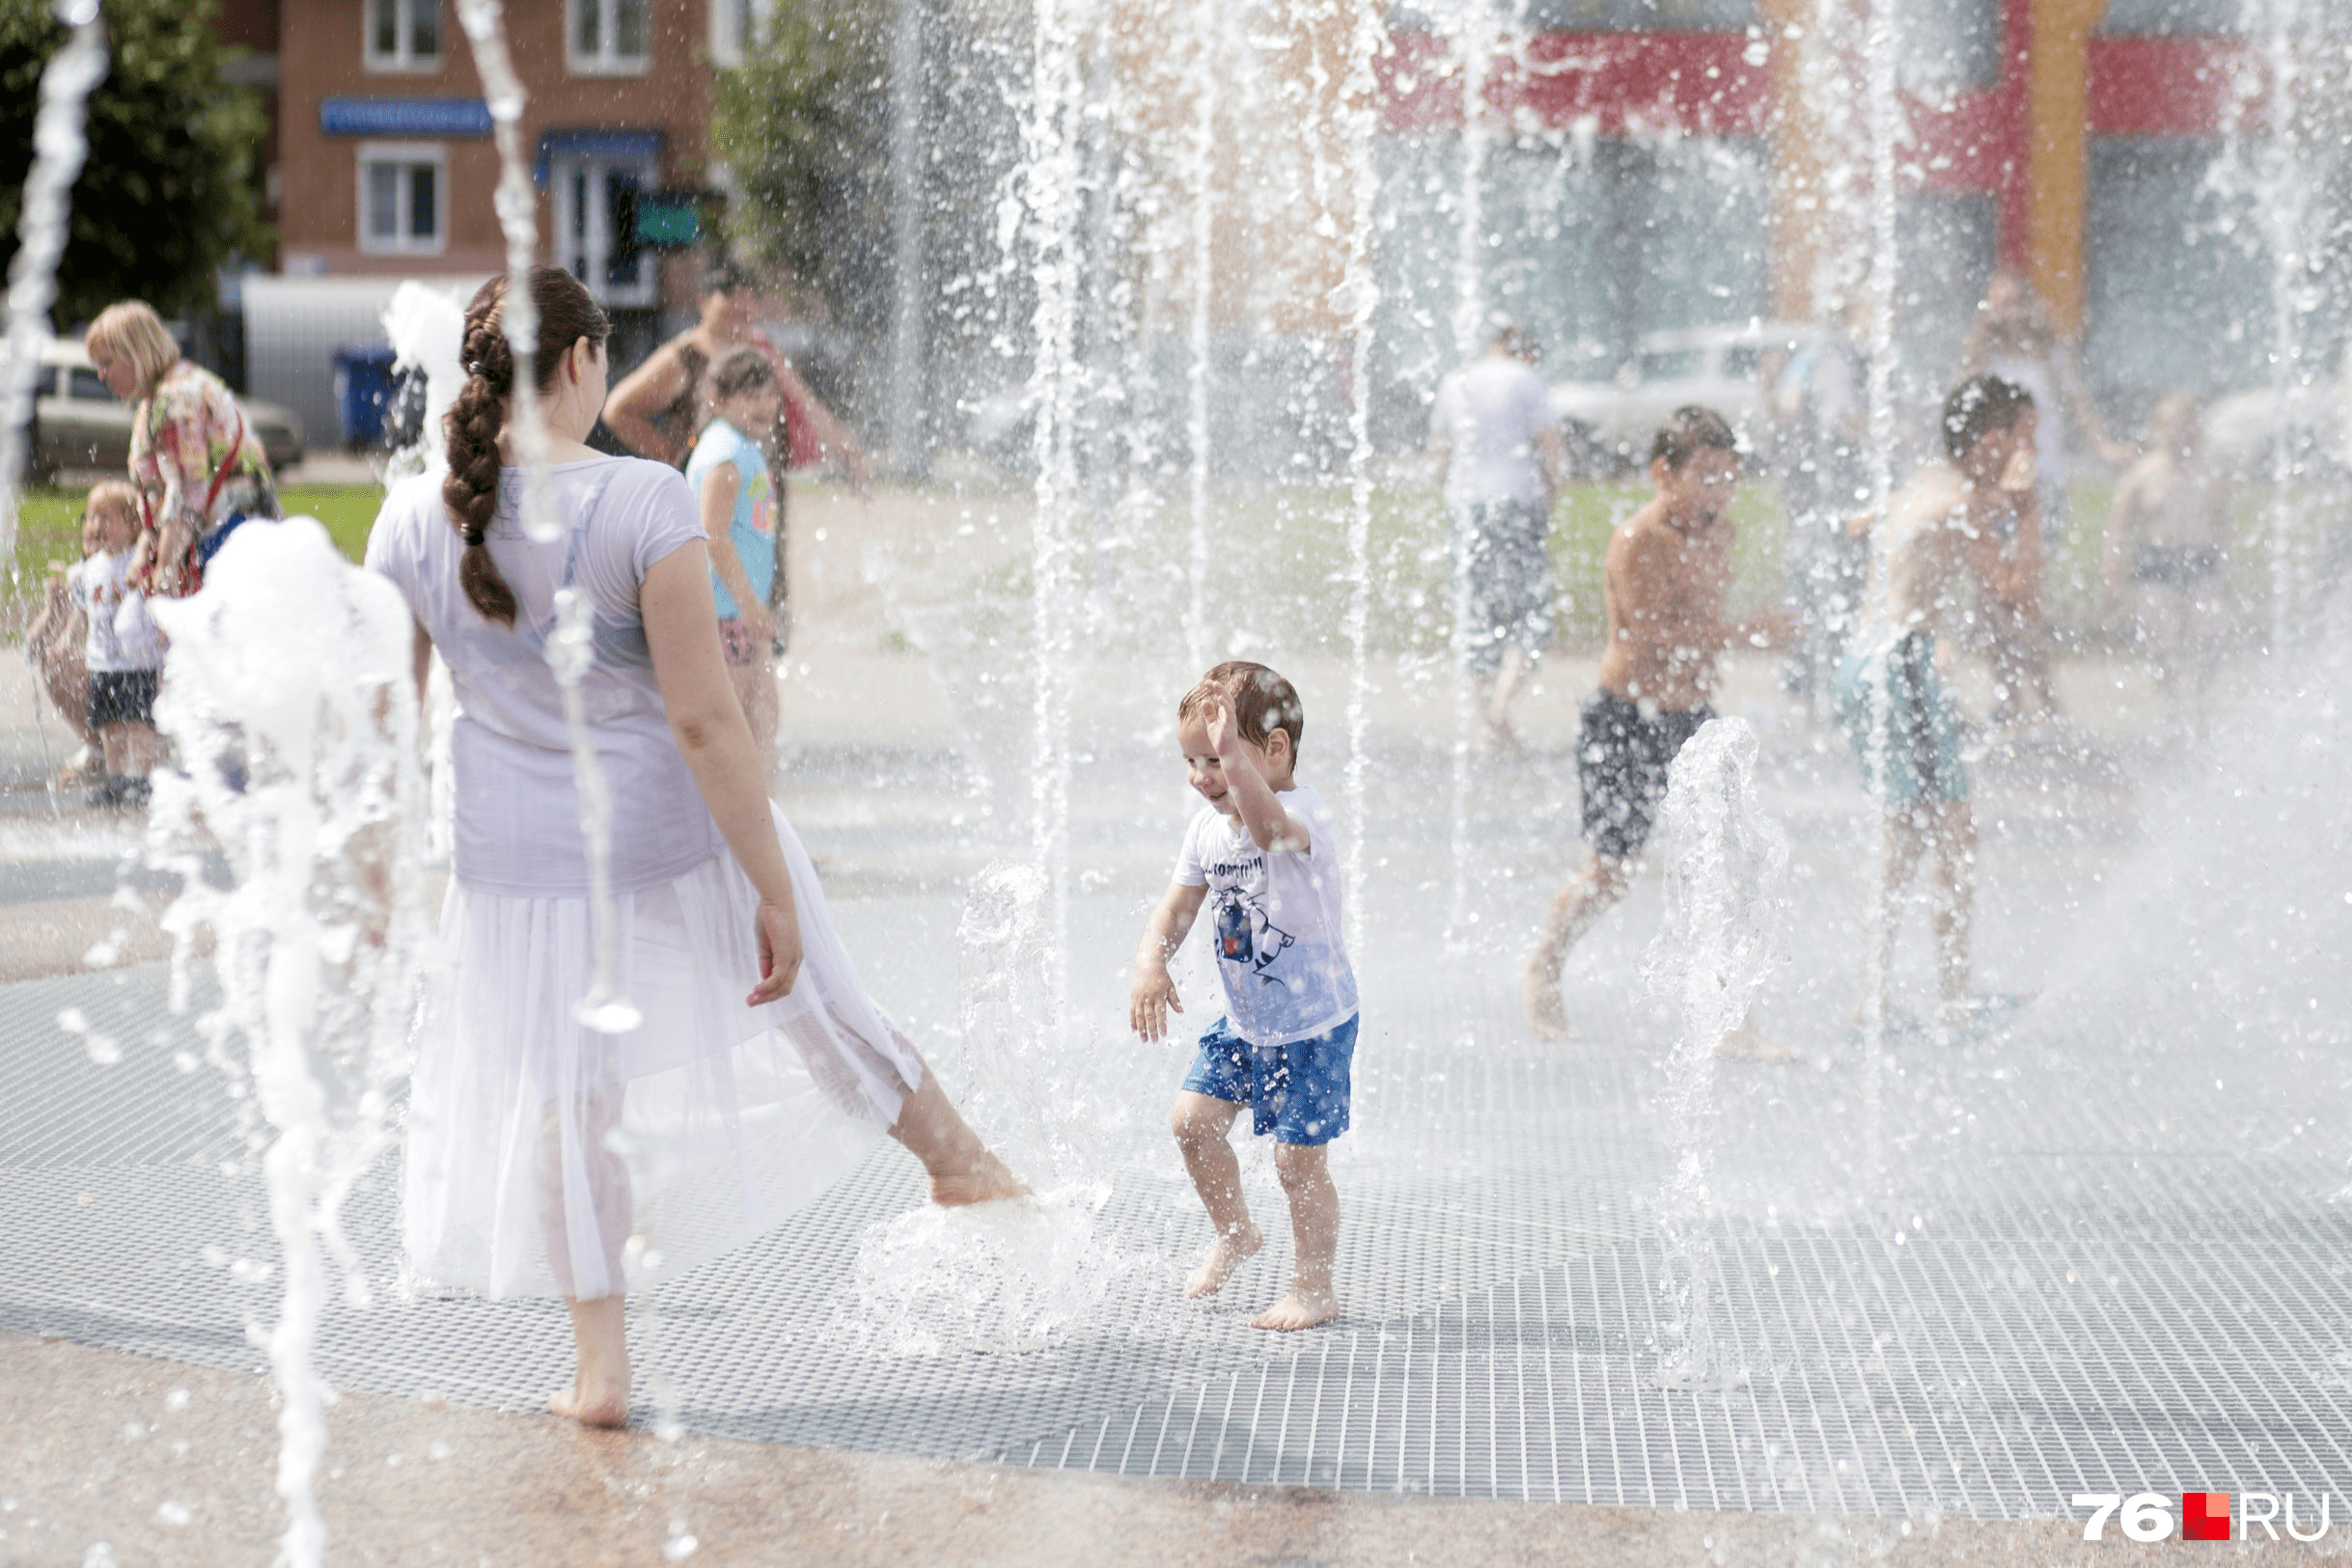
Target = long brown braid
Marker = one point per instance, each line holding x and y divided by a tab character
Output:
471	428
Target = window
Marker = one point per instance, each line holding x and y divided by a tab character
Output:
403	200
736	27
88	386
595	225
607	37
403	35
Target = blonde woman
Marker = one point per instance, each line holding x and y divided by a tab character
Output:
195	458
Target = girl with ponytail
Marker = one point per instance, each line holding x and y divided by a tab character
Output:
539	1147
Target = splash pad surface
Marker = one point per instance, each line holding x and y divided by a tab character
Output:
2088	1268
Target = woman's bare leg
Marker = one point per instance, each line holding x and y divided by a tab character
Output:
963	1169
599	1391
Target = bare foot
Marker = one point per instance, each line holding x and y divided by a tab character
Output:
1227	1256
602	1407
1540	993
1747	1043
989	1181
1296	1311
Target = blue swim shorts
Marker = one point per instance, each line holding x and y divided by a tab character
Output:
1297	1092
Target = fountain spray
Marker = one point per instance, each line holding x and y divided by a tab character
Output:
294	713
1201	193
1359	298
58	147
1725	906
1473	38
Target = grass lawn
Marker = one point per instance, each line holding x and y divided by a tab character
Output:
48	528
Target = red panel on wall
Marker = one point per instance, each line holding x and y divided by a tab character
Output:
2174	86
1703	82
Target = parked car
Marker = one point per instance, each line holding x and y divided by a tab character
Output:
1608	425
77	423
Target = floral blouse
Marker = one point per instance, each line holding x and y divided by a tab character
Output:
179	439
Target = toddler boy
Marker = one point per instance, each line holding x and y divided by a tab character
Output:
124	659
1262	854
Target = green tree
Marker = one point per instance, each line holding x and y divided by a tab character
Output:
172	189
804	123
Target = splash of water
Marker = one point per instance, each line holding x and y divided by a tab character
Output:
1359	301
1474	42
294	713
426	327
1201	191
59	147
1724	905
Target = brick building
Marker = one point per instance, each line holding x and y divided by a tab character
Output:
385	166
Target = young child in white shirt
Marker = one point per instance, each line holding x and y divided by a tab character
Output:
1263	854
123	656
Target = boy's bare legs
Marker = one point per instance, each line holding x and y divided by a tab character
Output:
1953	826
1495	731
1314	1230
1203	1124
963	1169
1581	902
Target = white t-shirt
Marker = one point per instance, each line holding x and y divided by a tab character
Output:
518	810
1493	413
1274	922
122	634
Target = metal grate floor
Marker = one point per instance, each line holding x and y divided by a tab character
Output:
2070	1280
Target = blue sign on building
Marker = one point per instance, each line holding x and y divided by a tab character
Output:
404	117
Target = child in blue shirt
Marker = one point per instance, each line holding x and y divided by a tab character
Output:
1263	854
729	474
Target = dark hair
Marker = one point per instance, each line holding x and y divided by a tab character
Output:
1263	702
471	426
740	369
1687	432
1980	406
724	275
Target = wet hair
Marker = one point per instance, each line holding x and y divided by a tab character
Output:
130	330
471	426
1263	702
724	275
113	497
1978	408
1512	339
1688	432
739	369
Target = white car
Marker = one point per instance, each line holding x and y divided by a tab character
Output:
1609	424
77	423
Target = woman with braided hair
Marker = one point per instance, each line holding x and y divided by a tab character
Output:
544	1157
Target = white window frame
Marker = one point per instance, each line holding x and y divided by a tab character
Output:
607	61
737	28
406	155
583	250
402	58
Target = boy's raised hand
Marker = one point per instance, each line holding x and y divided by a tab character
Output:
1148	1002
1224	732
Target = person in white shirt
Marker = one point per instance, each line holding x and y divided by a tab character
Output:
121	653
1263	854
1492	430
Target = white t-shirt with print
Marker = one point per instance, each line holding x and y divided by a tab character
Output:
122	635
1274	922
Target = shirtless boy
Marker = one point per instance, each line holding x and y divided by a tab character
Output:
1974	515
1663	578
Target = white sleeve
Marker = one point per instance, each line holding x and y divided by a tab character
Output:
1447	411
1535	405
1189	871
672	521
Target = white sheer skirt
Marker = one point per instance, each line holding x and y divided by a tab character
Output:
546	1159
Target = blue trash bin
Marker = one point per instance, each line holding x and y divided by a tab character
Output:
363	391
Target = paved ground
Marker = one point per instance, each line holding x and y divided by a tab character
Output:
1962	1282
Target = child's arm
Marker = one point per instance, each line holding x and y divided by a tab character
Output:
720	487
1272	826
1154	991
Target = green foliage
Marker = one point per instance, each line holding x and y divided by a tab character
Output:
804	123
172	189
